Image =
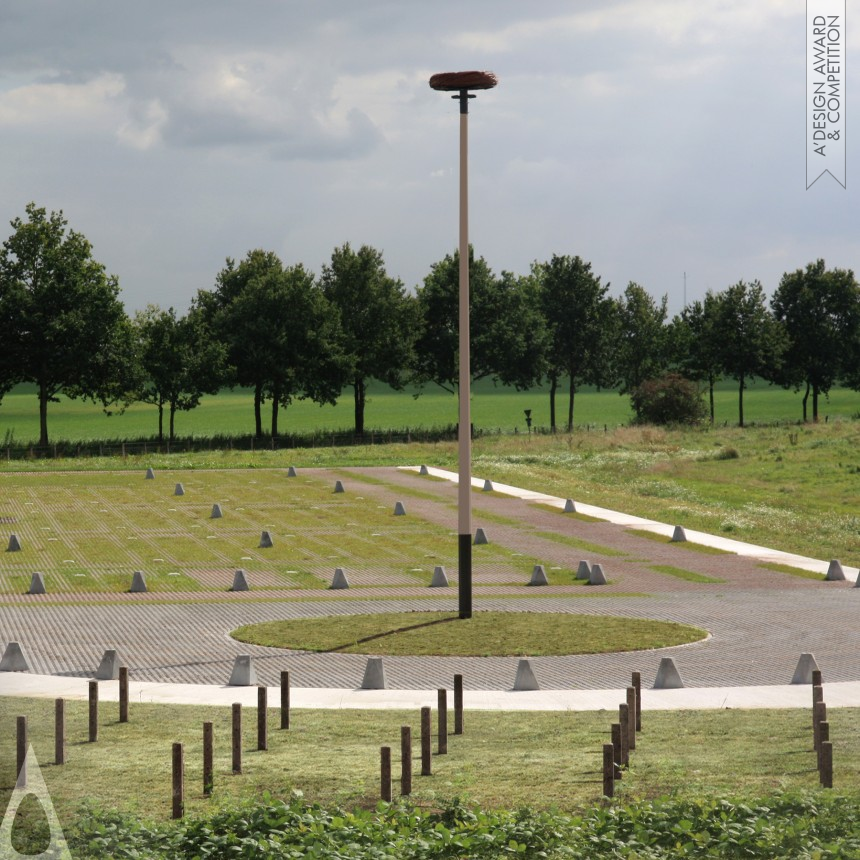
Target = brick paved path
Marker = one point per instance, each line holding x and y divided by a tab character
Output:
759	620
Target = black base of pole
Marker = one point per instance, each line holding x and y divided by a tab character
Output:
464	575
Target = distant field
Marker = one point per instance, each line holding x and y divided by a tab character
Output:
493	409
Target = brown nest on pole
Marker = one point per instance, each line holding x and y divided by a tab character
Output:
463	81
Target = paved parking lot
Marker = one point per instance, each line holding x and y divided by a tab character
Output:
759	620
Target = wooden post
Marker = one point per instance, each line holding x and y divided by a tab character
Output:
442	699
21	769
816	678
208	758
59	731
385	773
819	716
616	747
637	683
631	718
817	696
406	760
262	718
458	704
285	700
826	772
94	711
608	770
426	765
178	781
624	720
237	737
823	738
123	694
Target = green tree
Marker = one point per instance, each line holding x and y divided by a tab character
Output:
67	329
820	311
641	352
750	340
694	344
506	333
280	331
180	361
376	321
581	326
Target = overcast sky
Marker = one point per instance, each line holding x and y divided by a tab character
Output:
651	137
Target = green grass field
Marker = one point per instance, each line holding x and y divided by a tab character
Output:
493	408
544	760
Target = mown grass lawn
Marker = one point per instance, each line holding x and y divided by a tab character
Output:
543	760
485	634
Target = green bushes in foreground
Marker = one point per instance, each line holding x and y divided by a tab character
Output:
821	826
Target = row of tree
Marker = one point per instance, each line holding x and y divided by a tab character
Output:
285	334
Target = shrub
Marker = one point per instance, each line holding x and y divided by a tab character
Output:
670	399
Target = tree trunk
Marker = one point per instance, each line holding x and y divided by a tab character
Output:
43	414
711	396
276	404
553	384
360	395
570	404
160	420
805	398
814	403
258	418
172	422
741	401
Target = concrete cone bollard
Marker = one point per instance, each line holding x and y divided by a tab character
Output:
597	577
835	572
179	490
399	510
37	584
150	475
488	486
244	674
374	675
266	540
440	578
525	679
679	535
569	506
240	581
291	472
338	487
806	665
138	582
14	544
538	576
583	571
480	537
217	513
339	579
423	471
13	659
108	669
668	676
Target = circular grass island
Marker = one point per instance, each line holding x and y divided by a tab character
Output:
486	634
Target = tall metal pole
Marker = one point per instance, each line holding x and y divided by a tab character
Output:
464	433
462	83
